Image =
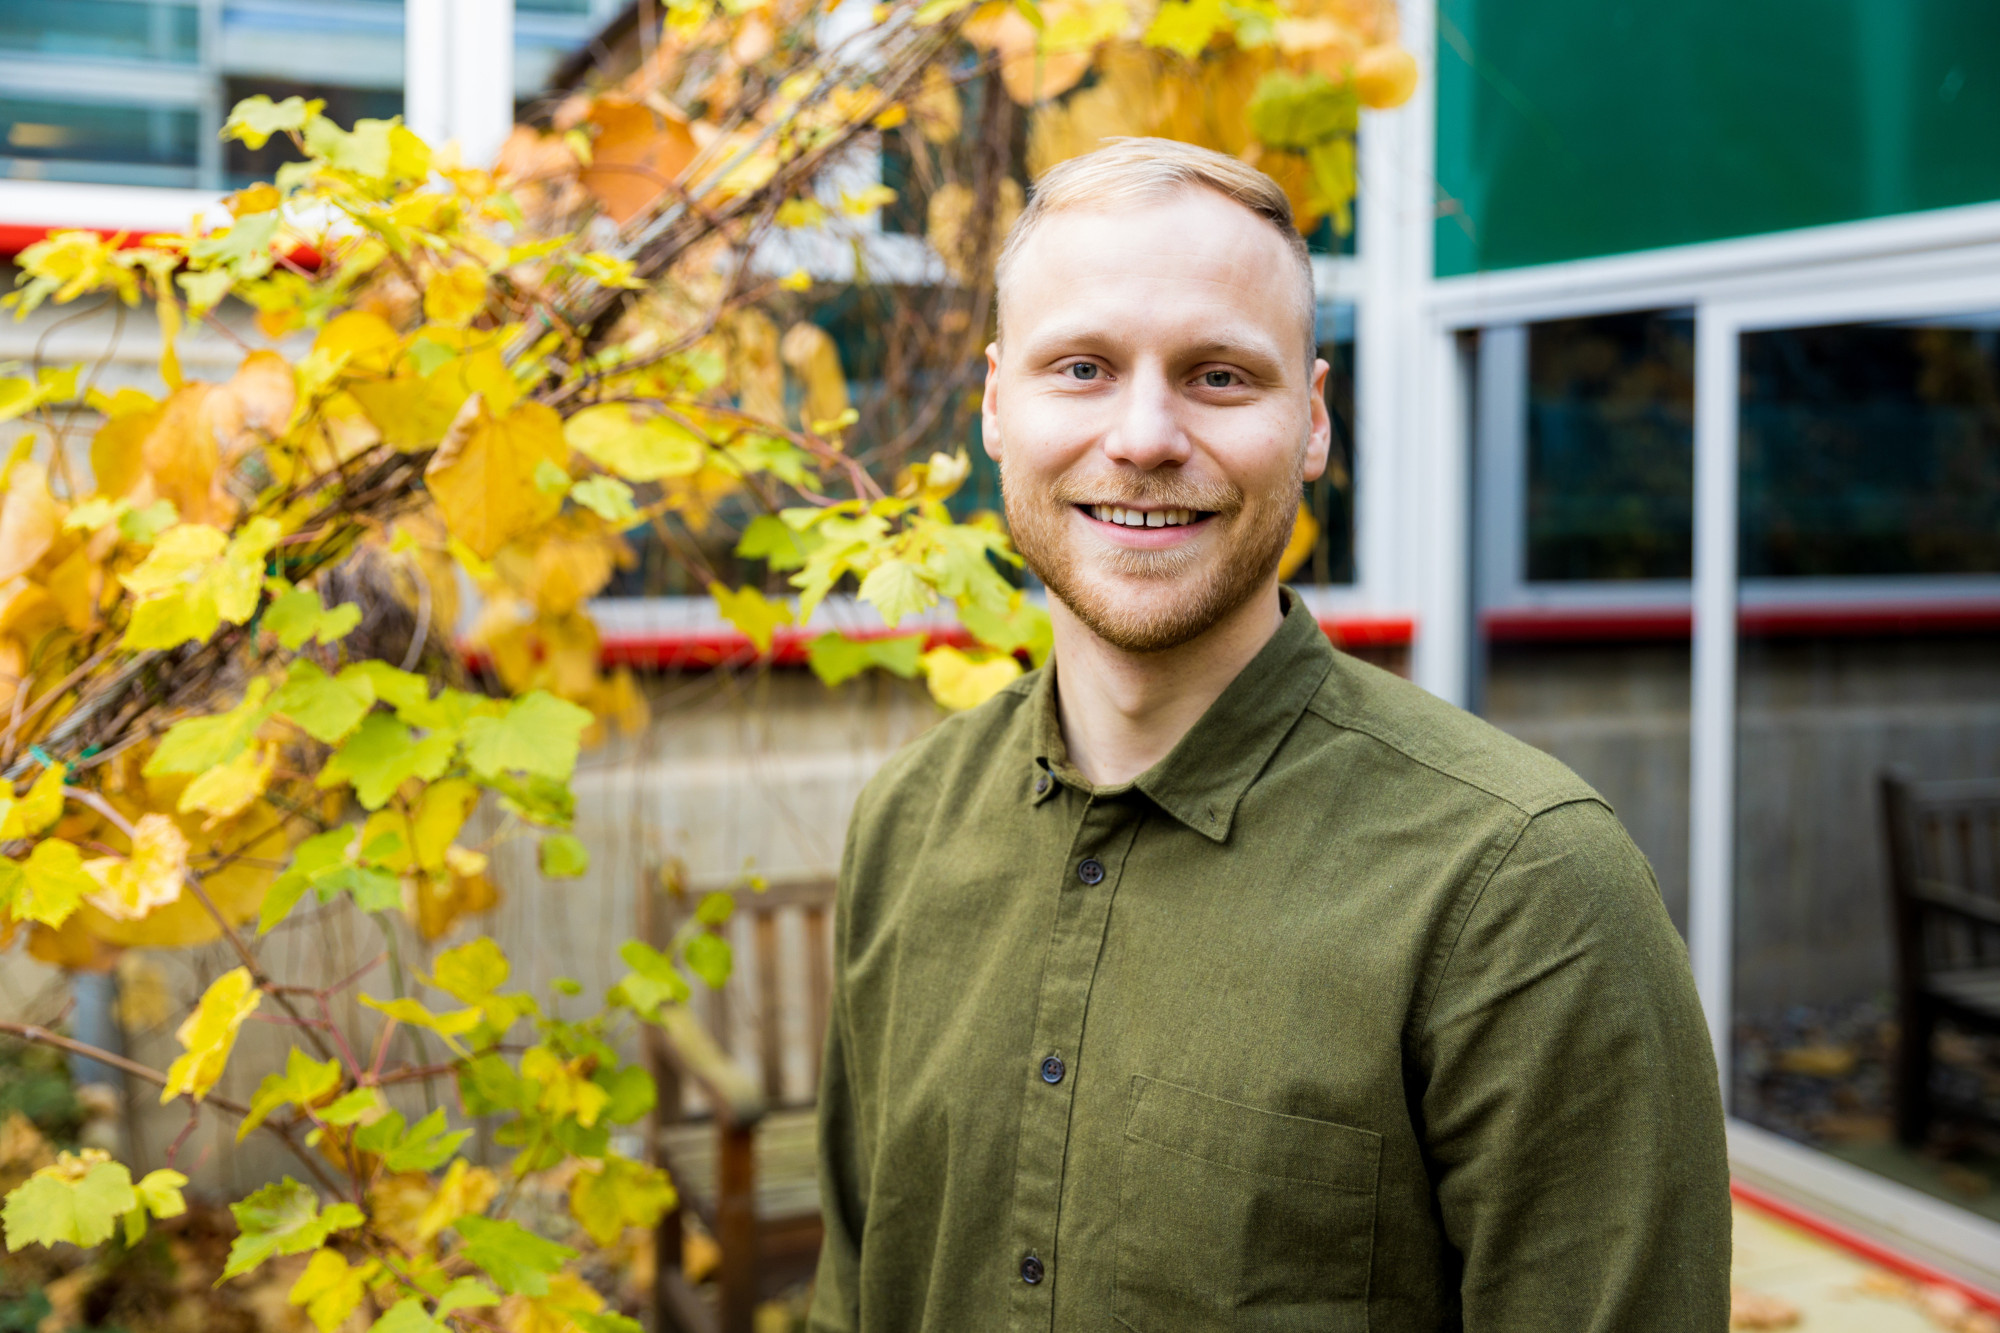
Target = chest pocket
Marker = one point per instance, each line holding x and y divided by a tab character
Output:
1236	1220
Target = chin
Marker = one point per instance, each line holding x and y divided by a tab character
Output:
1141	614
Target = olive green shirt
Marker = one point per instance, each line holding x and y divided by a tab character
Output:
1353	1013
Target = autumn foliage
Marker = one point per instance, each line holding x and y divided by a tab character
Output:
231	631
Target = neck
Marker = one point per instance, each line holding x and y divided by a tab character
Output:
1123	711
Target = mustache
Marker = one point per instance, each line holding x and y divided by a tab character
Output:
1149	490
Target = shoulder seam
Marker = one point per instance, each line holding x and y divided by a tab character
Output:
1551	800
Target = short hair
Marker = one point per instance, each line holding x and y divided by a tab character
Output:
1127	171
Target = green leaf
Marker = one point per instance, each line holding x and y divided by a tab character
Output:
424	1146
551	479
835	657
298	616
160	1192
898	588
312	861
653	980
350	1108
1024	625
255	119
304	1082
753	613
364	150
538	800
142	527
1296	112
539	735
776	543
631	1090
563	856
407	1316
715	908
77	1200
465	1294
383	753
622	1193
607	497
604	1321
327	708
512	1256
709	957
202	743
283	1218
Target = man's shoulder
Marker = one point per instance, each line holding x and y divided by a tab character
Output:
1416	730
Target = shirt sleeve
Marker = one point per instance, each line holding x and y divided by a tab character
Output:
1570	1103
843	1196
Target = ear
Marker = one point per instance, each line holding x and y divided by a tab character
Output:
989	406
1319	437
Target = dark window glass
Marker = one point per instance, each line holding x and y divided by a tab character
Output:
1331	498
344	106
40	131
1610	465
101	29
1871	449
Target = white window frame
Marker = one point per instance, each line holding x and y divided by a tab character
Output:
1920	265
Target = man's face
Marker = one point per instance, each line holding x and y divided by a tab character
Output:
1154	413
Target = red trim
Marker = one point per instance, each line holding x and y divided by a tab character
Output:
1543	625
1857	1244
698	650
18	236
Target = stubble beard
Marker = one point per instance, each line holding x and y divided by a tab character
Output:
1200	591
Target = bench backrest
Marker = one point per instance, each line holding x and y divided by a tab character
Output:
1944	852
772	1014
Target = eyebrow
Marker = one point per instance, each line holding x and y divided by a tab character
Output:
1228	345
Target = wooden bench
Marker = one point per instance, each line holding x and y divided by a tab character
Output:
746	1165
1944	874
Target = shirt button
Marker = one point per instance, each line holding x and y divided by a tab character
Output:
1052	1069
1042	785
1091	871
1031	1270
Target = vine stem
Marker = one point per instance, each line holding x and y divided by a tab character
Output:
41	1036
85	797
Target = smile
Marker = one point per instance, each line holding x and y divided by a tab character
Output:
1143	518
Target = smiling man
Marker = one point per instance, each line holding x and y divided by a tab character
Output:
1207	979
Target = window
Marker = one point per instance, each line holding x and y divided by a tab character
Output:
98	141
101	29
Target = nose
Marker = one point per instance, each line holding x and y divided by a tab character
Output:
1148	432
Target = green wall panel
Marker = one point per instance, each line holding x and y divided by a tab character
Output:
1573	128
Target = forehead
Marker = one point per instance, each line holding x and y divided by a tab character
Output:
1160	268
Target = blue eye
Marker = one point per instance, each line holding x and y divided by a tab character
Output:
1082	370
1219	379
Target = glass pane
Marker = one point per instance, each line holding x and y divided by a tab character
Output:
88	141
102	29
1872	450
1610	486
1572	420
1867	449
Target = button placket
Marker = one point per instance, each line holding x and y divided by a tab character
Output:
1082	903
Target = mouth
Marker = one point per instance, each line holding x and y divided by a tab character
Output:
1126	517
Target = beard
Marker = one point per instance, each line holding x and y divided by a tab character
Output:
1187	590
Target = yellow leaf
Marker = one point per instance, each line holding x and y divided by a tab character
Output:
620	1194
1385	76
798	280
565	1088
465	1189
483	475
227	790
29	520
754	366
152	876
938	111
455	295
210	1033
753	613
638	449
1305	535
32	815
959	681
951	229
809	351
330	1288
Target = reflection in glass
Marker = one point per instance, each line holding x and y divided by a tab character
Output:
142	145
1610	466
1867	450
102	29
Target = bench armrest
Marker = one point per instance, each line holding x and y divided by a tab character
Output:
1935	895
737	1099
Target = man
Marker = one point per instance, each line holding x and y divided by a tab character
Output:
1208	979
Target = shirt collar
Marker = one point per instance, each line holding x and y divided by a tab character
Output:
1203	778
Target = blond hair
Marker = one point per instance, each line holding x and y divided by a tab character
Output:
1130	171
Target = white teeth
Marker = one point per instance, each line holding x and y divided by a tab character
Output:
1139	518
